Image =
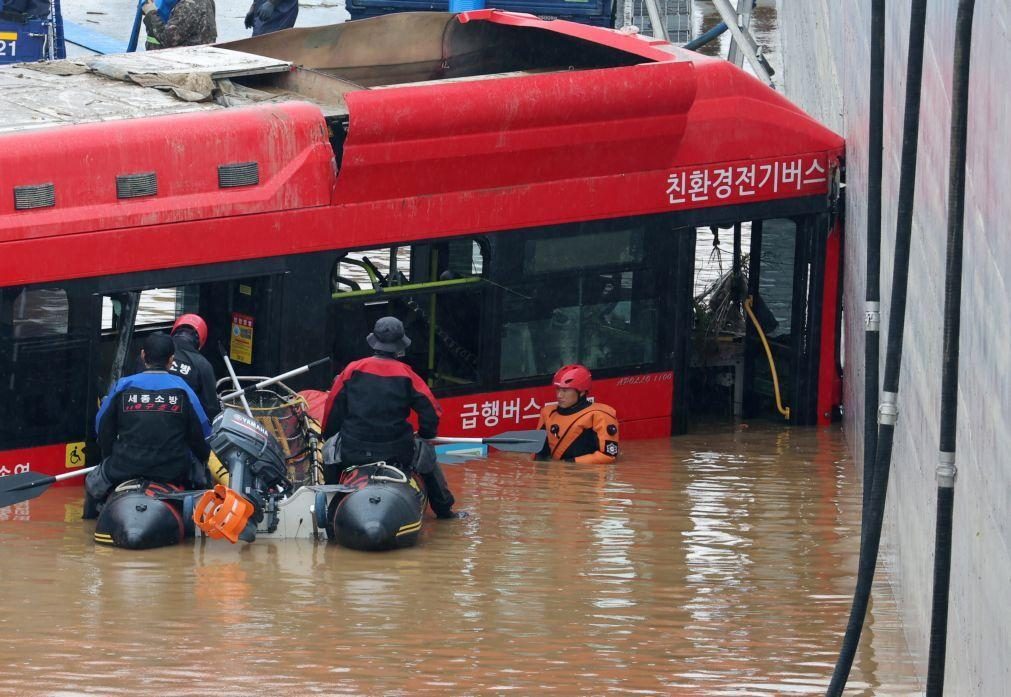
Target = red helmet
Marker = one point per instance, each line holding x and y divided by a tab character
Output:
575	377
197	323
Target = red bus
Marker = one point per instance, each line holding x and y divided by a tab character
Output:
522	193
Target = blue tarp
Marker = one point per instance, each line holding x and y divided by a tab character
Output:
92	40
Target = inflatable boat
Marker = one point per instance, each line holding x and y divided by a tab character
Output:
269	454
377	507
140	515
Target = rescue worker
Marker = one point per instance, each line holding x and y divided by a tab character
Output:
189	334
172	23
368	405
265	16
578	430
150	426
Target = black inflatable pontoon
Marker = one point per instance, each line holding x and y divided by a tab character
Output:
141	515
384	512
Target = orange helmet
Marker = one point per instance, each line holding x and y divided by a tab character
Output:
574	377
197	323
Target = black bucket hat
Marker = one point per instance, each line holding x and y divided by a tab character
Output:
388	336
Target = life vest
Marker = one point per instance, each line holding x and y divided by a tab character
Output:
589	435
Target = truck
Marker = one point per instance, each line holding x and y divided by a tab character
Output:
30	30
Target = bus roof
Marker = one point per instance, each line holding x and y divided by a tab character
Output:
318	64
482	120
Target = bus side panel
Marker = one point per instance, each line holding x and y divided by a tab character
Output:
46	459
645	428
287	144
829	380
643	403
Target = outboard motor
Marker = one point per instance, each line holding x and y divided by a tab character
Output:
256	475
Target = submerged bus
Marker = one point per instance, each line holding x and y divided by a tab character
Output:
521	193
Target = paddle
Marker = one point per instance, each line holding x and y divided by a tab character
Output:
16	488
452	458
510	441
270	381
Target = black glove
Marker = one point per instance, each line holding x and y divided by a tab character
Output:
265	11
249	19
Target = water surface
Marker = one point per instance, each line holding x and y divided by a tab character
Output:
718	563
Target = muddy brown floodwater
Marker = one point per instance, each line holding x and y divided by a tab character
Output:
718	563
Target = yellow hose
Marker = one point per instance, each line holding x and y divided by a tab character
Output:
785	411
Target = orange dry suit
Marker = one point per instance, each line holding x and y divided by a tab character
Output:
585	432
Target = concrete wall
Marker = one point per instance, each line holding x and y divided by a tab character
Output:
826	54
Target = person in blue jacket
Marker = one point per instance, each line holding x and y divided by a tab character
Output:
265	16
150	426
21	10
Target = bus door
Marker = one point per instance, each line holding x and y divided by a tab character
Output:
123	319
239	313
245	316
758	313
790	261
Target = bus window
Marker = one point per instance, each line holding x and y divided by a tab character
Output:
589	297
779	241
40	313
594	249
156	311
602	320
435	289
157	306
370	269
44	363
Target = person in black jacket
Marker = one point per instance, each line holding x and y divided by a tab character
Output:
23	10
189	334
369	404
265	16
151	426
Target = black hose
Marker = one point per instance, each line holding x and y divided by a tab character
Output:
907	190
949	360
872	335
700	41
939	602
956	211
871	536
868	560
